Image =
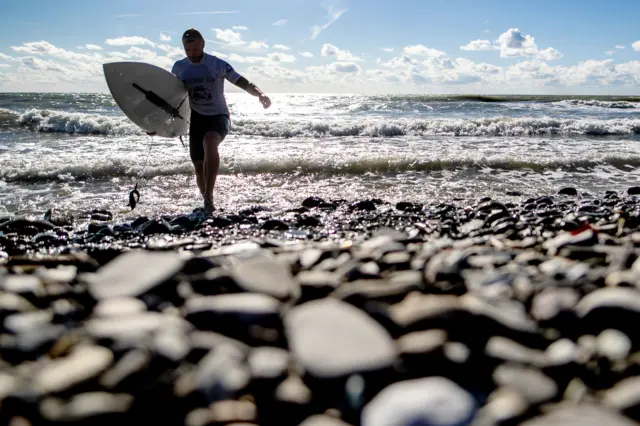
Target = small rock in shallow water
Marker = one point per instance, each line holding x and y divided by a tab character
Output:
334	339
427	401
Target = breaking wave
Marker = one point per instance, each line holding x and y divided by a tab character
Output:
109	169
50	121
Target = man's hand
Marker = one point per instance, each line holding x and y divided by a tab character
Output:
265	101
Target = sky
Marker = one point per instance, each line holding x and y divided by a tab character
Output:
354	46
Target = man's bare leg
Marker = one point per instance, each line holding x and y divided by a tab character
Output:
211	164
199	167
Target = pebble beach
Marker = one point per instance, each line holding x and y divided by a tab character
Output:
333	312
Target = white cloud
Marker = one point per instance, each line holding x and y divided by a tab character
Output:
5	66
239	28
388	49
334	14
228	36
281	57
610	52
93	47
129	41
513	43
281	47
341	55
280	22
256	45
345	67
164	37
619	46
636	46
420	50
549	54
479	45
7	57
307	54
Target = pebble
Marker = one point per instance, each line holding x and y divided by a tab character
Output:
333	339
124	276
479	313
426	401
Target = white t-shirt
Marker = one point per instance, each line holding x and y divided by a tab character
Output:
205	83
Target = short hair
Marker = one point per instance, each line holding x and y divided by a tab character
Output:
191	35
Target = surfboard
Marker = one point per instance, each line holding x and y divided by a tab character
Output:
150	96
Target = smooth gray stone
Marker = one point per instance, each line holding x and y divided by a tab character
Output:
83	363
614	345
331	338
580	415
509	350
12	304
134	327
119	306
322	420
266	276
268	362
26	321
624	395
85	406
615	297
532	384
131	363
551	301
133	273
420	402
172	344
23	284
219	375
503	405
422	342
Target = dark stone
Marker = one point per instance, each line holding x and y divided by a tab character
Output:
634	190
367	205
568	191
311	221
155	226
274	225
312	202
251	318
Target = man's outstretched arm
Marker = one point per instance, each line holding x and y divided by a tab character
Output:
253	90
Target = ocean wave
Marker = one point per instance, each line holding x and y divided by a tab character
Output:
52	121
110	169
600	104
83	123
492	126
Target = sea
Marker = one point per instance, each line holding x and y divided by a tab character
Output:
76	152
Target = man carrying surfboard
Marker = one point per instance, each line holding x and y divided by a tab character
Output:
203	76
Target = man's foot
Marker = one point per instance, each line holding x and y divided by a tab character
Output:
208	207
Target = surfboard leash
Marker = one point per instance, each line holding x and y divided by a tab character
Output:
134	196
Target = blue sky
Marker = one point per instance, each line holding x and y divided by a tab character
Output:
455	46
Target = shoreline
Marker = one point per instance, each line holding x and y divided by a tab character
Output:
335	311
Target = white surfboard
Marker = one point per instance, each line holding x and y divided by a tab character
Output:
151	97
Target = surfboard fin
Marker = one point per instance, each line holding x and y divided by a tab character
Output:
159	102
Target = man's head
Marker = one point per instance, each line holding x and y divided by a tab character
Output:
193	43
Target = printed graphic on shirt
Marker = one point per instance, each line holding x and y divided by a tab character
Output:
205	83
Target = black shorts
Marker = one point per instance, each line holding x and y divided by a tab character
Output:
201	124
